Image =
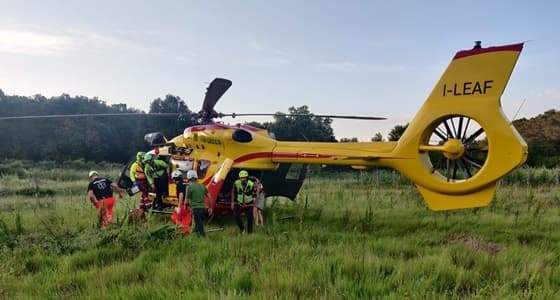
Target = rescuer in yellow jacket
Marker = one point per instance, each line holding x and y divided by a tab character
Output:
156	175
137	167
139	179
243	194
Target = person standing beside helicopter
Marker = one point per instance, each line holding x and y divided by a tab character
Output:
259	201
138	177
156	175
242	195
194	196
182	216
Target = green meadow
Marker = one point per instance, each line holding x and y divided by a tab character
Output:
348	235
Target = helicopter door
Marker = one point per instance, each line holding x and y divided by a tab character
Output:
124	181
215	185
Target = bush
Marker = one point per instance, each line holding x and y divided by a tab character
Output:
533	177
35	192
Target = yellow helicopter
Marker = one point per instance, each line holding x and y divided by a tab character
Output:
455	149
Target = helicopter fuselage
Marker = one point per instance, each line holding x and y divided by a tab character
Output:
216	150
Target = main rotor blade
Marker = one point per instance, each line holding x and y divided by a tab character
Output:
214	92
90	115
233	115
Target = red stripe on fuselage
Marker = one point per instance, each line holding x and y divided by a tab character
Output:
313	155
258	155
284	155
466	53
251	156
278	155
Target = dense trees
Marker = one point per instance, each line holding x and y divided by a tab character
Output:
378	137
542	134
92	138
349	140
172	104
396	133
116	139
303	127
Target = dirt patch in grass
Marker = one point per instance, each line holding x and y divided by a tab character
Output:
476	244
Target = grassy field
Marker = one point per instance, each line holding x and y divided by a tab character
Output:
345	237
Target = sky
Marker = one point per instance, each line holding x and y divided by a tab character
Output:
375	58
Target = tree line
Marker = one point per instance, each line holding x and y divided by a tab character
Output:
542	134
111	139
117	139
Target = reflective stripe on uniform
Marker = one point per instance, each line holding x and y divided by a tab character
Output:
244	195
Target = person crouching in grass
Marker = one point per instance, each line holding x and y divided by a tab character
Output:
100	193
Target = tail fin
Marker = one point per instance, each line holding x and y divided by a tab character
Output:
482	72
470	88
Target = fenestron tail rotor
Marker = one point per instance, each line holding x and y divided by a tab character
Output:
457	148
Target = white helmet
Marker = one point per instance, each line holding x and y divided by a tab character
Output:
176	174
192	174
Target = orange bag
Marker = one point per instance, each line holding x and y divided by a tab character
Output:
182	216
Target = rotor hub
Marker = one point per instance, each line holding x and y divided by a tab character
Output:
453	149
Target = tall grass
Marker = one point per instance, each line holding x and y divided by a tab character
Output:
355	235
386	177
